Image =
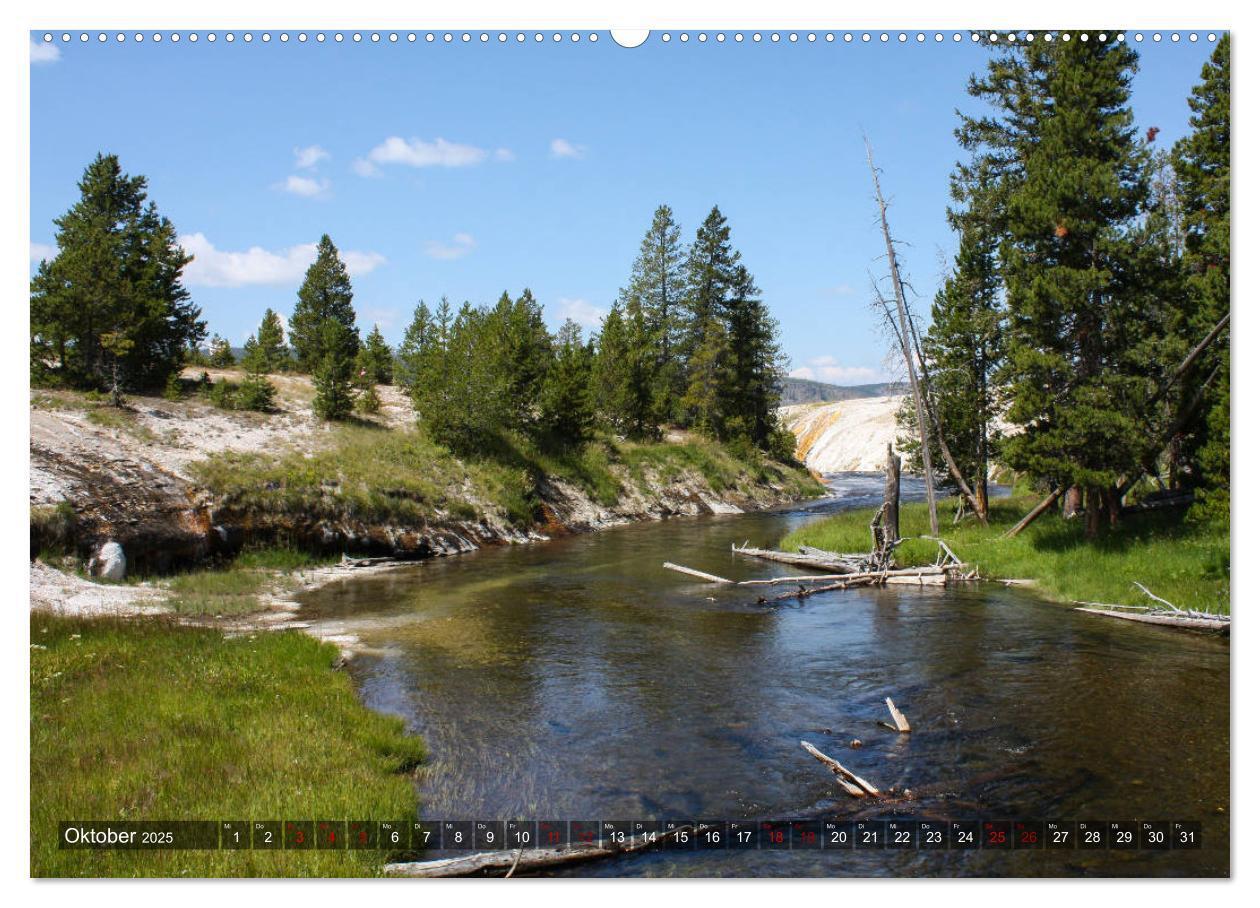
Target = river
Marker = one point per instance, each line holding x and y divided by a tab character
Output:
577	679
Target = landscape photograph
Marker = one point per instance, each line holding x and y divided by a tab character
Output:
664	454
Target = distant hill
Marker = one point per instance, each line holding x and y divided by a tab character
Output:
803	391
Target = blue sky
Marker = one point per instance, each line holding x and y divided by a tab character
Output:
467	169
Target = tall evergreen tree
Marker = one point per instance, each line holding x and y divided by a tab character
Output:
1202	163
755	363
109	309
658	283
325	293
334	375
711	262
1075	280
567	412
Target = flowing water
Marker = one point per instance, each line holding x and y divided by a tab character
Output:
578	680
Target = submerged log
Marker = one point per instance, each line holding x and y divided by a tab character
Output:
692	572
849	780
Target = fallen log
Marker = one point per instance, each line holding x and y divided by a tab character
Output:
849	780
496	863
1044	505
1167	620
926	576
692	572
841	565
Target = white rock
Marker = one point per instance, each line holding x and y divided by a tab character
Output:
110	562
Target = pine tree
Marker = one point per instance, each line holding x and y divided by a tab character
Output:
376	358
274	356
517	347
711	264
707	376
610	372
221	356
427	363
1075	279
755	366
117	272
325	293
658	285
1202	162
567	412
334	375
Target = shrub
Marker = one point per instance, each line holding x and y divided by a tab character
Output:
256	393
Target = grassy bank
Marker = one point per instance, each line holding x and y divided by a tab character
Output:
1186	563
400	476
146	720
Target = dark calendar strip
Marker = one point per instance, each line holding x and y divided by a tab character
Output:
669	835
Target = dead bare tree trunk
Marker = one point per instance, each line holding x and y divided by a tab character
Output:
904	319
892	496
981	510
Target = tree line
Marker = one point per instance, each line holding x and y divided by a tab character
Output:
688	342
1090	271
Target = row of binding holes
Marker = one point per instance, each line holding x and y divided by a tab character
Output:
336	37
575	37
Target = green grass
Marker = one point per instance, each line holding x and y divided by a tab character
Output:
401	476
1185	562
146	720
231	590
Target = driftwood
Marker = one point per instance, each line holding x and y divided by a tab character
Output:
850	781
497	863
813	558
901	724
692	572
1207	623
926	576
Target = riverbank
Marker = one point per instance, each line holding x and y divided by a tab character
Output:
147	719
181	483
1184	562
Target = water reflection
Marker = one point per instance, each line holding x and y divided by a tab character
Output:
578	679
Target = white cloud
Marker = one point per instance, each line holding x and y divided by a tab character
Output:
41	251
419	153
44	52
365	168
213	267
308	187
308	157
563	148
828	369
839	290
504	154
460	245
585	314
